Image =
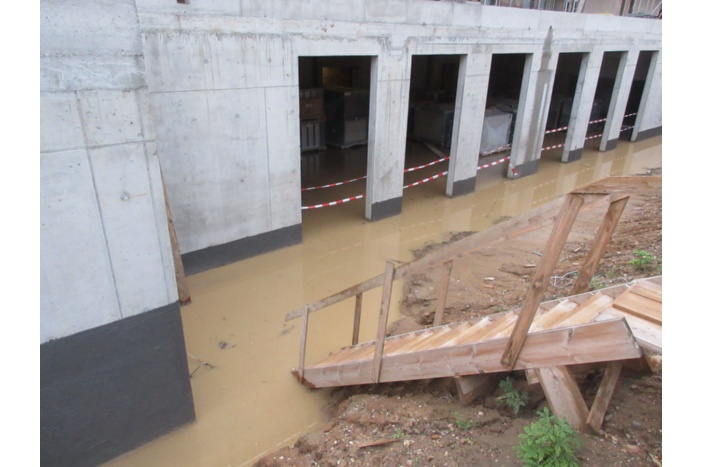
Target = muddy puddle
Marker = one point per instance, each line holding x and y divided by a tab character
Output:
247	403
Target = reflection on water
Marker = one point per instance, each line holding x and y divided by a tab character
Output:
249	404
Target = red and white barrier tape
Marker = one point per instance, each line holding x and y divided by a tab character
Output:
556	130
442	174
333	184
334	203
494	163
434	177
412	169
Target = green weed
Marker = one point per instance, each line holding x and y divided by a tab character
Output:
643	260
462	423
550	441
511	396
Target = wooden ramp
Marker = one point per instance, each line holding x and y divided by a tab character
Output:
607	325
543	338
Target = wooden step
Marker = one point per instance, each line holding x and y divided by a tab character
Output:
649	335
411	346
554	316
394	342
648	289
640	305
348	354
588	311
501	327
439	338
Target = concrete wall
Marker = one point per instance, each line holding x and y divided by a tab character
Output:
104	236
223	82
113	364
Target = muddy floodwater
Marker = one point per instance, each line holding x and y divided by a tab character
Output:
240	348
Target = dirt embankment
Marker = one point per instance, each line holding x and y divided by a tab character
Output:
424	422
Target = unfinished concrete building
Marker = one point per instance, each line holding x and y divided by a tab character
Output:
209	100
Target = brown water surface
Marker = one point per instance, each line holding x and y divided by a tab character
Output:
247	403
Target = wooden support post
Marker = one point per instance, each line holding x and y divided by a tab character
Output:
604	395
443	293
604	234
471	387
383	319
357	319
563	395
181	282
552	252
531	376
303	346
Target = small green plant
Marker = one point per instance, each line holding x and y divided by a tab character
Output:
398	434
511	396
550	441
643	260
462	423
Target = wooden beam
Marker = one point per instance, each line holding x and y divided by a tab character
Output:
303	347
563	395
548	262
357	319
383	319
604	395
443	293
181	282
604	235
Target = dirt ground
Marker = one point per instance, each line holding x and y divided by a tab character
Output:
425	423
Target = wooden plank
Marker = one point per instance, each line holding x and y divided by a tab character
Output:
357	319
378	442
588	343
554	316
531	377
358	352
510	229
470	388
640	306
588	311
563	395
383	318
303	347
181	281
502	325
649	335
649	290
440	337
443	293
400	343
481	329
558	237
604	235
604	395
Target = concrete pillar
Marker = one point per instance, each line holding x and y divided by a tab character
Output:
387	127
543	90
620	96
582	105
471	94
649	120
534	101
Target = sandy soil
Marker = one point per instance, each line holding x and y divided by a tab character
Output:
425	423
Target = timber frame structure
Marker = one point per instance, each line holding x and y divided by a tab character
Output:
608	326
